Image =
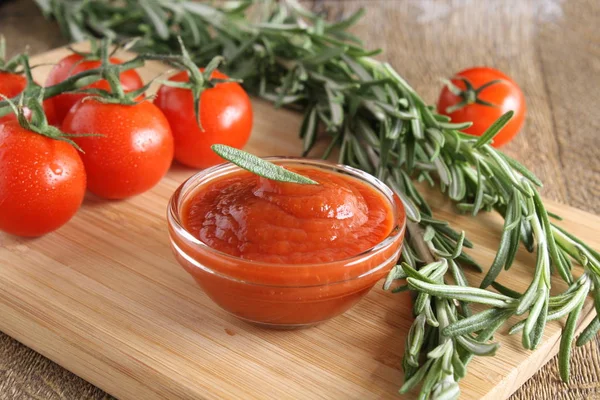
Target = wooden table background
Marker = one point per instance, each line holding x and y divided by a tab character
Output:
550	47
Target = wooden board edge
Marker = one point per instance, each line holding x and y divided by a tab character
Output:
538	358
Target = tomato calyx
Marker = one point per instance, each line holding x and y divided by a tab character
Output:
38	123
111	73
32	89
96	51
470	95
19	64
198	80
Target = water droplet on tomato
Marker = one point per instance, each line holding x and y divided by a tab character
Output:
56	168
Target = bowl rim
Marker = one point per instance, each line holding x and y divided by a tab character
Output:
204	176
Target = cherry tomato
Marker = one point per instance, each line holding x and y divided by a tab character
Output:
42	181
12	85
225	116
74	64
491	94
134	152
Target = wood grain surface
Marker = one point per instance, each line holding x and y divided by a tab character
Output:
549	47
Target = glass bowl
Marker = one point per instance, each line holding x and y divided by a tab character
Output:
283	295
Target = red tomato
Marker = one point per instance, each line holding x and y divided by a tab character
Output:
12	85
72	65
225	115
134	152
502	97
42	181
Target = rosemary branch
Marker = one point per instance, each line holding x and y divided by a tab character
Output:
296	58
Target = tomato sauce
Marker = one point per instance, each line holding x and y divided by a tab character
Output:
286	254
258	219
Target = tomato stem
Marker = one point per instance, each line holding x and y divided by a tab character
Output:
77	81
198	81
39	122
111	74
27	69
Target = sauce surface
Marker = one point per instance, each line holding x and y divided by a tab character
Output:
258	219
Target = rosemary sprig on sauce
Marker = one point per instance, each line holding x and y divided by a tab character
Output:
296	58
260	167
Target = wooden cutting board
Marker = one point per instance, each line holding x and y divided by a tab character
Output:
104	298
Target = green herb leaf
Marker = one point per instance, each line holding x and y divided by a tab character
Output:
260	167
494	129
564	352
476	347
474	323
589	332
156	16
416	378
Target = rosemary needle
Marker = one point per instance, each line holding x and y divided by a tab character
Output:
260	167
